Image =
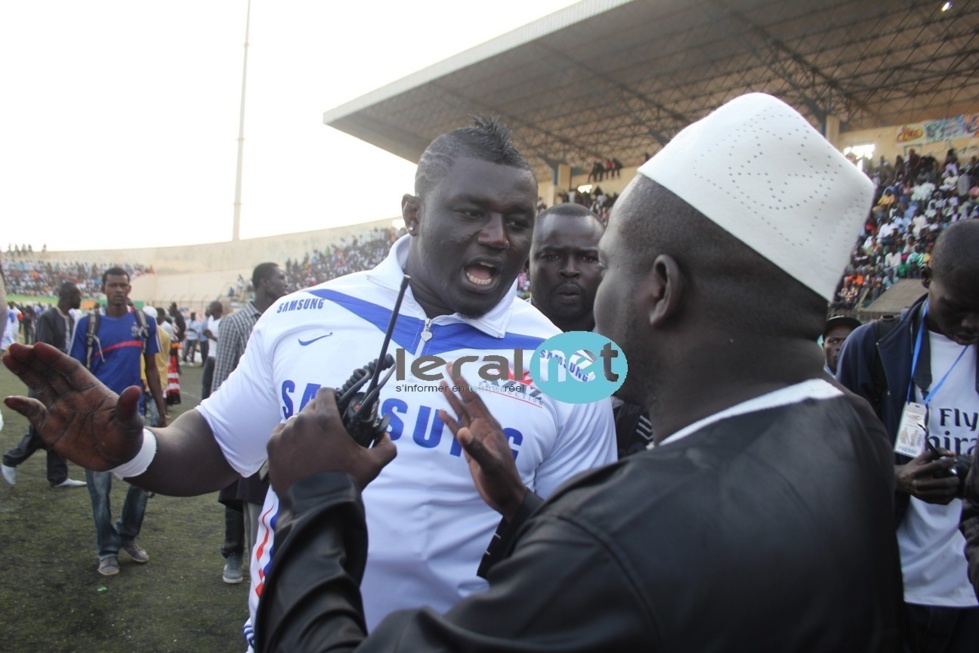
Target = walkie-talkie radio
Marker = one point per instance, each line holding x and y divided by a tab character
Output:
358	410
945	473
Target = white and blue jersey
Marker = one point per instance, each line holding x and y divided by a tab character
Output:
428	526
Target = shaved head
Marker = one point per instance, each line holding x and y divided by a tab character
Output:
957	249
953	283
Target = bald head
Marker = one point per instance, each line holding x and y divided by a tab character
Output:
953	283
69	296
67	289
569	209
956	249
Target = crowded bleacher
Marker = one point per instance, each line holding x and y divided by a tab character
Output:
916	198
26	273
341	258
595	199
357	255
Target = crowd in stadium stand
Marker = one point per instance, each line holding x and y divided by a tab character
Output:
915	199
596	200
341	258
606	169
26	274
360	254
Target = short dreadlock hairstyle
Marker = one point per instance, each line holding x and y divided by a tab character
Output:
487	140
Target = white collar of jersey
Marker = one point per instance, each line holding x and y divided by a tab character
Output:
391	270
811	389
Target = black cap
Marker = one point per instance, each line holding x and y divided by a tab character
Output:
841	320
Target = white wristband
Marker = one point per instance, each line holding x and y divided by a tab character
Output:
141	462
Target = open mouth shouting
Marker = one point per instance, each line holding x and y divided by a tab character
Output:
482	274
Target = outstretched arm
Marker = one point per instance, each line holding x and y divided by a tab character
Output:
188	460
92	426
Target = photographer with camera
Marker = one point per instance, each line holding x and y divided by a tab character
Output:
919	372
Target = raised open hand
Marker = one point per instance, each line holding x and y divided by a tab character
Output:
487	450
73	412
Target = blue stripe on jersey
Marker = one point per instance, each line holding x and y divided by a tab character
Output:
449	337
406	330
445	337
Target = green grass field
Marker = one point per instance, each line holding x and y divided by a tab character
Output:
52	598
25	299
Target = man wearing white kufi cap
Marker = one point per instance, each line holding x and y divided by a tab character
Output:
761	521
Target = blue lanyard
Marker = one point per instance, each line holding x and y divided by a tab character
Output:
928	394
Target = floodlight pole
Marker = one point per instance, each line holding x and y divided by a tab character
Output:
236	228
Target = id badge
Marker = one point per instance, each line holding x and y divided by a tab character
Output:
911	432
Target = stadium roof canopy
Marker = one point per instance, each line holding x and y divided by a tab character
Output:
619	78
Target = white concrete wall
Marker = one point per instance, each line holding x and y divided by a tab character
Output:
194	275
243	254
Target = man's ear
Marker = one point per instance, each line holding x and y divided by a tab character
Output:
411	212
662	290
926	276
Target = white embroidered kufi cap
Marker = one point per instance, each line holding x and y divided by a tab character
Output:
759	170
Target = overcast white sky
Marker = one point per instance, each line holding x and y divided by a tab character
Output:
119	118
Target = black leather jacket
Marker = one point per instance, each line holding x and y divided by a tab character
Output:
769	531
